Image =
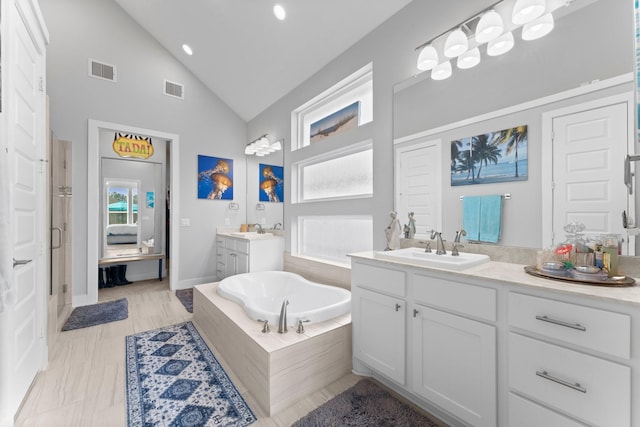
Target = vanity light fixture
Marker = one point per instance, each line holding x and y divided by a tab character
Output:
463	40
261	147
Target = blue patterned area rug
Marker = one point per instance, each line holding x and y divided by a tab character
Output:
186	298
97	314
173	379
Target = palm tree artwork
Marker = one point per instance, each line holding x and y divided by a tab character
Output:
492	157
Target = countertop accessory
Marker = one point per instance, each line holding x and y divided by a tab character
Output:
609	281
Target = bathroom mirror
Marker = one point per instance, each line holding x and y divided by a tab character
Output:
132	208
498	93
265	189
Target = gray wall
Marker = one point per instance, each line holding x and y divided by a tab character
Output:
99	29
601	37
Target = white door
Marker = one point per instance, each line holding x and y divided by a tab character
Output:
589	148
27	189
418	178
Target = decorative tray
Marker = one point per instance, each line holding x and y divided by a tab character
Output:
624	281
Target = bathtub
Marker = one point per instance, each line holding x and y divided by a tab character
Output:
261	295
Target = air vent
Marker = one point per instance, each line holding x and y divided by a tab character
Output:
173	89
102	71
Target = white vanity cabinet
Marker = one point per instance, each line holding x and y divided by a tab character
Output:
235	255
561	356
379	320
433	337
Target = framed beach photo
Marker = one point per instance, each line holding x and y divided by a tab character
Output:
335	123
492	157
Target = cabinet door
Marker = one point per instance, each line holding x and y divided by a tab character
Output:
379	324
242	263
230	263
454	364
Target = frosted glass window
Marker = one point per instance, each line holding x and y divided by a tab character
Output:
331	238
348	176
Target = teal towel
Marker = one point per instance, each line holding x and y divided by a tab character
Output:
471	217
490	218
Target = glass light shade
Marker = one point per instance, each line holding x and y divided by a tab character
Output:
501	45
428	58
527	10
538	28
249	150
456	44
489	27
277	145
442	71
469	59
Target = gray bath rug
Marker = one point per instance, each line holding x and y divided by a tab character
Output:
174	380
186	298
363	405
97	314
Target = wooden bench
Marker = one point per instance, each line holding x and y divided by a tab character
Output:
132	258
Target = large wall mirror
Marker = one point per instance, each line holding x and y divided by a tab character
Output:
265	188
587	58
133	201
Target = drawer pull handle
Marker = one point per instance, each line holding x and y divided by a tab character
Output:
577	326
575	386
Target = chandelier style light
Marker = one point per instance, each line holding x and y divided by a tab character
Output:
464	40
261	147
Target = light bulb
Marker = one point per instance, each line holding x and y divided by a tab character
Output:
279	12
456	44
538	28
527	10
428	58
501	45
489	27
469	59
442	71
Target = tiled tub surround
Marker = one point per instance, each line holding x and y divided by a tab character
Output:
477	347
277	369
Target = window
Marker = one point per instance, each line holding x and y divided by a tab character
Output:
333	237
122	206
346	173
357	88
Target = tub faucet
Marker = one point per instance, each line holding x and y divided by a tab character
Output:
259	227
456	242
439	242
282	322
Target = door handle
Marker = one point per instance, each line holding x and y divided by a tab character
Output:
59	230
20	262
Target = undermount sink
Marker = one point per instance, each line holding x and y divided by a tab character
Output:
250	234
431	259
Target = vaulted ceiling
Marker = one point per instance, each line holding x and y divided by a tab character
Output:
246	56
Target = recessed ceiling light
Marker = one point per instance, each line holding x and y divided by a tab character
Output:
279	11
187	49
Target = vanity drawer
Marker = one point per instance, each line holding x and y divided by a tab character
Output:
384	280
591	389
242	246
588	327
220	242
524	413
478	301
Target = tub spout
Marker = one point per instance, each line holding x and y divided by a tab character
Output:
282	323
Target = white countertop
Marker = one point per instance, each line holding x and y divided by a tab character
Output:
514	274
269	234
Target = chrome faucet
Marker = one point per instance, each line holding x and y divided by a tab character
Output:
282	322
456	242
439	242
259	227
277	226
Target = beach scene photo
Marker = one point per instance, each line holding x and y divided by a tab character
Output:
340	121
499	156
